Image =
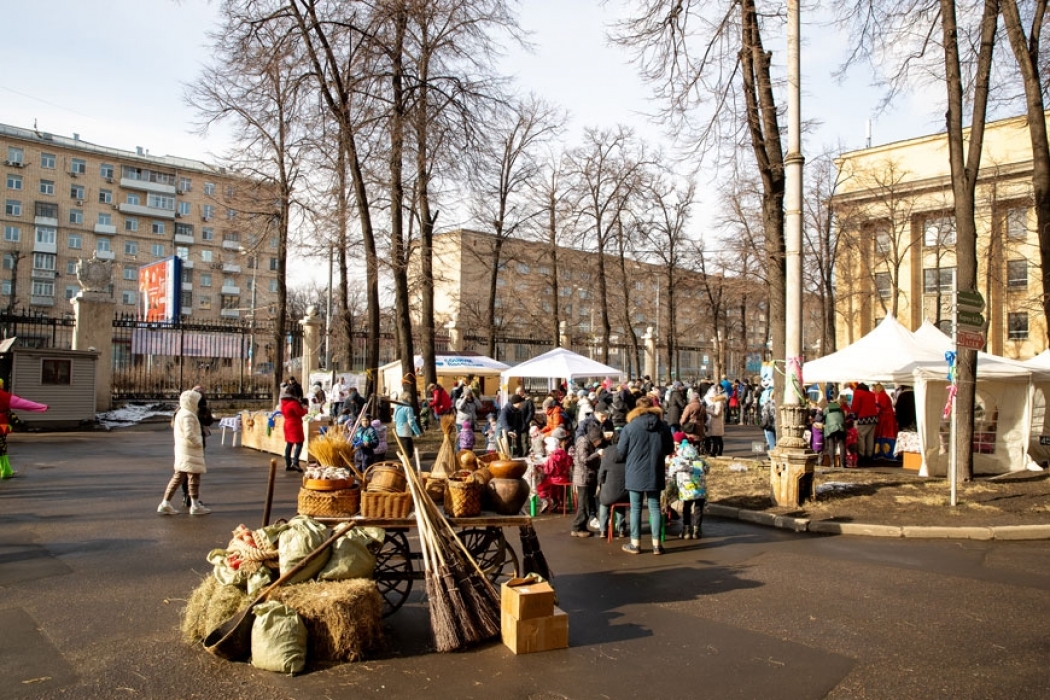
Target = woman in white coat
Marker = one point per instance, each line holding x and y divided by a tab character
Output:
715	399
189	456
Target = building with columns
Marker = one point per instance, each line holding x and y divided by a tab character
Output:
894	209
65	199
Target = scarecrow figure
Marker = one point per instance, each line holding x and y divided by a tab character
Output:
7	402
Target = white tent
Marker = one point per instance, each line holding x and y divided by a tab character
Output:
449	368
1039	439
892	354
558	363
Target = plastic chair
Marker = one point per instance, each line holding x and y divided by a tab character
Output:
566	494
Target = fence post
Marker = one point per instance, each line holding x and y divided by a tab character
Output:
93	312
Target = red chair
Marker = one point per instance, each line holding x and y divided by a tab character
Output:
566	494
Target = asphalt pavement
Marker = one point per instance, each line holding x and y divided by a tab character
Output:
93	581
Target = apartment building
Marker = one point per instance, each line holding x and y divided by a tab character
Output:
894	208
66	199
637	301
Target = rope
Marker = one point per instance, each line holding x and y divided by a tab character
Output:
792	379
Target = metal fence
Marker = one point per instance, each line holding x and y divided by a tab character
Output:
36	330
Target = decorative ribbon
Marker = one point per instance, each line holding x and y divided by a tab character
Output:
950	358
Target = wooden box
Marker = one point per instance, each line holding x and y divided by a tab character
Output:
537	633
912	461
524	599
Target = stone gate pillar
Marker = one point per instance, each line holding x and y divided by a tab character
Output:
93	310
650	353
564	339
311	324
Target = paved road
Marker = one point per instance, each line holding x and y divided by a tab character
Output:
92	582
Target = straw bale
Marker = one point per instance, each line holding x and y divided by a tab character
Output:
210	605
343	618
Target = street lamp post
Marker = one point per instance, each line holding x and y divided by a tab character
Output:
253	260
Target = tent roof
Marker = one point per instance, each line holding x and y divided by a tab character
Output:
889	354
1040	362
562	364
988	366
458	364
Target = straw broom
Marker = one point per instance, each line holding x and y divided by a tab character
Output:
445	464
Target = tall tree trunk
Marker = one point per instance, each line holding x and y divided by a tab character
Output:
341	216
552	242
426	228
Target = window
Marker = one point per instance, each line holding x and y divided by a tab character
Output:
105	196
78	166
883	239
71	291
157	249
274	263
131	273
56	371
207	211
131	223
45	234
47	160
105	219
15	155
102	245
13	207
1016	221
1017	273
523	268
231	236
12	234
43	288
231	214
46	210
76	191
184	208
44	261
187	300
47	187
9	261
160	201
131	248
229	282
184	230
207	234
158	227
106	171
209	189
206	256
938	280
231	302
187	275
205	279
938	231
133	199
1017	326
76	216
184	184
253	262
884	284
204	301
183	252
71	267
14	182
5	288
76	242
273	286
127	297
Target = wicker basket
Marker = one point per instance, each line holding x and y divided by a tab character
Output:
382	504
388	477
463	499
329	504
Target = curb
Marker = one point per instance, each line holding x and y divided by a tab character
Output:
834	527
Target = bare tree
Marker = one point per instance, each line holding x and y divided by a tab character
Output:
821	242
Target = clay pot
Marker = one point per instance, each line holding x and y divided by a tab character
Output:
508	468
507	496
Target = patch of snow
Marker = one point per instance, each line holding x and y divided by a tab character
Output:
132	414
832	486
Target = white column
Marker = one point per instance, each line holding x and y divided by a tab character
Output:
793	214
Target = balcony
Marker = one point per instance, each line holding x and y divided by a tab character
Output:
183	238
230	313
187	264
41	247
51	221
230	291
147	186
105	254
41	301
187	286
185	311
108	229
231	245
231	267
139	210
39	274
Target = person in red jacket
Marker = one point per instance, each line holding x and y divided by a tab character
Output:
7	402
440	401
293	410
866	410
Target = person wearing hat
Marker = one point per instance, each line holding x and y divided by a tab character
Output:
527	407
600	416
676	404
586	461
317	398
467	408
646	443
511	425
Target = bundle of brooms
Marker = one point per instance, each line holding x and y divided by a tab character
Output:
445	465
333	449
464	605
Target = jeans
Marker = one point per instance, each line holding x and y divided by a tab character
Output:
771	438
655	517
603	519
584	507
291	454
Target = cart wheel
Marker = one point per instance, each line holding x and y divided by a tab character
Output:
393	574
493	553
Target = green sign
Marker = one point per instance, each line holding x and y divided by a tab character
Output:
970	300
967	318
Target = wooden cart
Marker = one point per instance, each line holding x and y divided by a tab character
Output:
397	566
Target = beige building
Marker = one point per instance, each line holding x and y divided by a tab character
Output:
897	239
525	296
66	199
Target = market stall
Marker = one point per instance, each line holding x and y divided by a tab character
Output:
450	367
555	364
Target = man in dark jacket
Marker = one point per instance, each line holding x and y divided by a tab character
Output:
611	488
675	405
527	408
510	425
646	443
600	416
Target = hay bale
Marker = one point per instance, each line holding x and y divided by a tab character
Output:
210	605
343	618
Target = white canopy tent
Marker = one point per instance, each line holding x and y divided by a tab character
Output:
449	368
893	355
558	363
1039	439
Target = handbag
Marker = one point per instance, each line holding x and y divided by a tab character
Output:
689	427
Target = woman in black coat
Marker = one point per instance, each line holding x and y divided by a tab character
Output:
646	443
611	489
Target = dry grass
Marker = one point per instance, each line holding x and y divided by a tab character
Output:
342	618
210	605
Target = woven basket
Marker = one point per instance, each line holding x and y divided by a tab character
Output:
329	504
463	499
386	476
381	504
